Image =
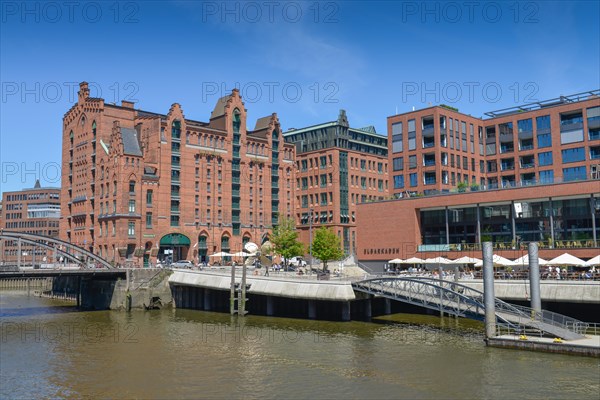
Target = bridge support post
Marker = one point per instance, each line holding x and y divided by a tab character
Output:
312	309
368	310
207	303
232	292
488	289
346	311
534	276
19	253
388	306
28	286
270	306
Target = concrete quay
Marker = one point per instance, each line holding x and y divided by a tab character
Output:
550	290
290	286
588	346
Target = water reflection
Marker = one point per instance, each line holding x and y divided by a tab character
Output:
193	354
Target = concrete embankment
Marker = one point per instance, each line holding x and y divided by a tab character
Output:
551	291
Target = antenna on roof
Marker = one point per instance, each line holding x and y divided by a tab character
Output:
413	108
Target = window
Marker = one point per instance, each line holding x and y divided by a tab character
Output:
546	177
412	162
525	125
412	140
398	163
413	180
131	228
131	206
544	140
398	181
573	155
149	197
148	220
543	123
174	220
574	174
545	158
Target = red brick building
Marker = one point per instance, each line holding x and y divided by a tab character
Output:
529	173
337	168
35	210
435	149
140	186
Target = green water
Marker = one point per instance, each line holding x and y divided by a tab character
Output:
50	350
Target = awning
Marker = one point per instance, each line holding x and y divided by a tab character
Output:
174	239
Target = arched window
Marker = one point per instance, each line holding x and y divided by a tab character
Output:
236	121
94	129
176	130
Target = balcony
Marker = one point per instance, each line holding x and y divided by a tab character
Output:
507	166
507	148
428	131
566	126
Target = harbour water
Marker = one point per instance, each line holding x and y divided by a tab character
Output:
50	349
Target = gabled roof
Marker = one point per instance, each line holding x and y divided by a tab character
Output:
262	123
131	145
220	107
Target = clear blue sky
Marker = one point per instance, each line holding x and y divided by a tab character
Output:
303	60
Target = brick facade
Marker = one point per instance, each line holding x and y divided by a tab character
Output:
133	179
337	168
34	210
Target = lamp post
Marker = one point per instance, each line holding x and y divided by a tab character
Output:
310	238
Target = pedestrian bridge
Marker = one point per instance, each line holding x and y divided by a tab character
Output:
460	300
58	248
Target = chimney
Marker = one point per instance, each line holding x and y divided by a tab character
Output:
127	104
84	92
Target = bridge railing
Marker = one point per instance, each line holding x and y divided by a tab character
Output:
552	318
521	314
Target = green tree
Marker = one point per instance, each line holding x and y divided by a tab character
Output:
285	240
326	246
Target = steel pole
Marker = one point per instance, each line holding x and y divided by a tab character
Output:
534	276
488	290
232	291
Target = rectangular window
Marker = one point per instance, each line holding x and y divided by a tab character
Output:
412	140
573	155
574	174
131	206
398	181
413	180
546	177
542	123
131	228
545	158
397	145
544	140
148	220
398	163
412	162
149	197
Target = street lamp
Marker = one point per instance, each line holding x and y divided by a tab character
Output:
310	238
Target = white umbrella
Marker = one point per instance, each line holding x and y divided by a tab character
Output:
593	261
438	260
524	260
243	254
567	259
396	261
466	260
221	254
413	260
498	261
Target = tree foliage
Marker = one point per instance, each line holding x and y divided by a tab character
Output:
285	239
327	246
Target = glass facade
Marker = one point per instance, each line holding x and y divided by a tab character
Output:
539	220
545	158
574	174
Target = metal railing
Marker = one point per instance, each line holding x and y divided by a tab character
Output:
457	299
